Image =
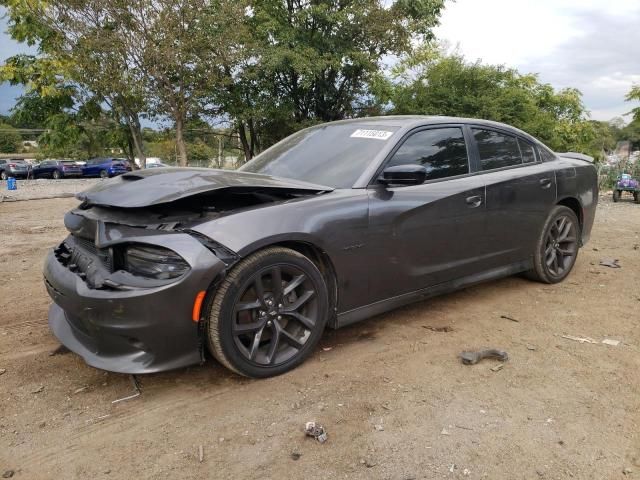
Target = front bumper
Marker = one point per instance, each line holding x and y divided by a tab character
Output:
137	330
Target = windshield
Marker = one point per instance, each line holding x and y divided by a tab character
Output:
334	155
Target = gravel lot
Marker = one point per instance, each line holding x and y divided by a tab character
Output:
45	188
395	399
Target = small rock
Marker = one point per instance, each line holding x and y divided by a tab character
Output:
8	474
3	371
466	472
627	471
532	347
369	463
42	424
81	389
107	472
295	456
221	439
38	390
445	432
379	428
498	367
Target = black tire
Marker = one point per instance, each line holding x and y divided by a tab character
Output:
56	175
3	175
258	340
616	195
636	197
104	174
551	245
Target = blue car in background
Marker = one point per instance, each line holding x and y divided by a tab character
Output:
105	167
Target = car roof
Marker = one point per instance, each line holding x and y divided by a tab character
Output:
408	122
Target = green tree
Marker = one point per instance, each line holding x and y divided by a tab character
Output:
10	139
311	61
431	83
634	94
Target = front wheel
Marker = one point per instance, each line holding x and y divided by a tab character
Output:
616	195
56	175
268	314
557	247
104	174
3	175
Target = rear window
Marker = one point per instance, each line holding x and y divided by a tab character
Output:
527	150
497	150
69	163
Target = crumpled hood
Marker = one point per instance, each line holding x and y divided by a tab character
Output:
155	186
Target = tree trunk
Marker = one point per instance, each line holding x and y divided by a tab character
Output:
242	133
136	136
180	143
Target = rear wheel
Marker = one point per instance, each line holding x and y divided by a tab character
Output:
104	174
3	175
557	247
268	314
56	175
616	195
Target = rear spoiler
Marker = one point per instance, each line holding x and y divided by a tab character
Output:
576	156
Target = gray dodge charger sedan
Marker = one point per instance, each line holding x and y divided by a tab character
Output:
334	224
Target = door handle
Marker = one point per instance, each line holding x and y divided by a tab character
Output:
474	201
545	183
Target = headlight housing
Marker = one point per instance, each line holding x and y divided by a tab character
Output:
154	262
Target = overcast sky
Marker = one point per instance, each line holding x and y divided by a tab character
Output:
593	45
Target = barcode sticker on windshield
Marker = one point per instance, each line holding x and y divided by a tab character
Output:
375	134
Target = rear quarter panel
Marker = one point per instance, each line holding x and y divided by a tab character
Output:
579	179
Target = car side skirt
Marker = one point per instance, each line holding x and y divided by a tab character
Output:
367	311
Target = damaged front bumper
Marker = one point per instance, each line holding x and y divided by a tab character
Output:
129	324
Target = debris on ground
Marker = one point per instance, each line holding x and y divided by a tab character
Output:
579	339
610	262
612	342
136	386
315	430
295	456
38	389
532	348
445	432
497	368
627	471
444	329
368	463
379	427
507	317
471	358
200	453
327	349
81	389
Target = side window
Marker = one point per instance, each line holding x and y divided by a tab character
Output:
496	149
528	153
546	155
442	151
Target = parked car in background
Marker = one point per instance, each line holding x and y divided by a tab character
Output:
14	168
157	165
334	224
104	167
57	169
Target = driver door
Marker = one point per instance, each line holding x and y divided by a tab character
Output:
434	232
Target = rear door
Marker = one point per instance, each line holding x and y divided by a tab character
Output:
520	192
430	233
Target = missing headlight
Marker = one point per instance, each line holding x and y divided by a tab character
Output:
154	262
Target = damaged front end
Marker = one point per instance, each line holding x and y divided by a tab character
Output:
126	279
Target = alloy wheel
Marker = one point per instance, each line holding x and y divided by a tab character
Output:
274	315
561	245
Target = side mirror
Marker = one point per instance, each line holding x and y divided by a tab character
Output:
404	175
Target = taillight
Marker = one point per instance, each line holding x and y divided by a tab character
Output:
12	165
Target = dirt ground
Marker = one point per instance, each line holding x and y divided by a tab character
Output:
394	397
